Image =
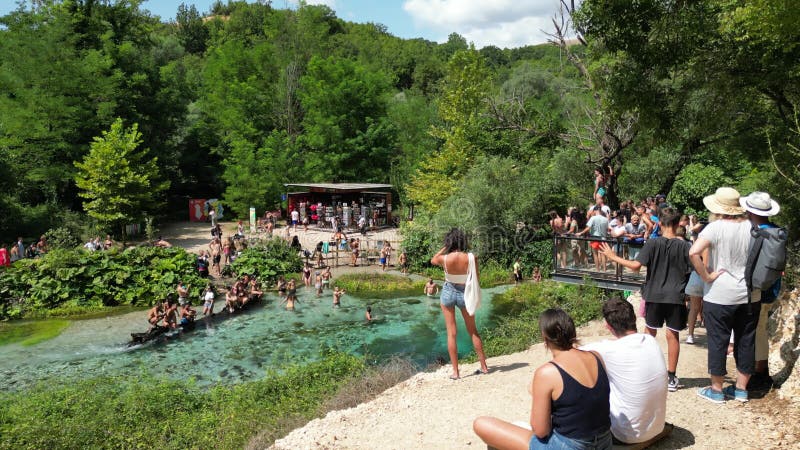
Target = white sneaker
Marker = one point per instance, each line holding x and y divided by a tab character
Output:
690	339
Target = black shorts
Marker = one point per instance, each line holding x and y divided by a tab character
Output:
217	259
675	315
518	276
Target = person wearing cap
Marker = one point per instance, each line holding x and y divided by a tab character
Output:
727	303
760	207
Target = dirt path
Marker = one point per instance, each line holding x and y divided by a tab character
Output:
431	411
195	236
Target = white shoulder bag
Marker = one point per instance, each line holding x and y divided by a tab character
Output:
472	289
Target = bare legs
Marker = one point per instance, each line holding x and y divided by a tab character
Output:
498	433
673	347
477	343
695	312
452	347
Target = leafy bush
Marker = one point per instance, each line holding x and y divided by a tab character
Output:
420	242
108	412
61	237
267	260
516	312
66	279
378	285
693	183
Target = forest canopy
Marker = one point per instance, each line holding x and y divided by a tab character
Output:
235	101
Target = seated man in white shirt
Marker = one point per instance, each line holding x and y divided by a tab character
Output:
637	374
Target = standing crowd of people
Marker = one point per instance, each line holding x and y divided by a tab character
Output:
615	392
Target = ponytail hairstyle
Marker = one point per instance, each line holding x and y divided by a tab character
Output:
558	329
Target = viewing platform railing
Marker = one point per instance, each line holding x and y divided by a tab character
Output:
576	261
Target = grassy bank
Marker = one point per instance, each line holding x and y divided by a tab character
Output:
378	285
516	312
491	274
145	412
31	333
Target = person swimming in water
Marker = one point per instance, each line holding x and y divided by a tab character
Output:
291	295
337	296
326	278
318	283
281	285
368	314
431	288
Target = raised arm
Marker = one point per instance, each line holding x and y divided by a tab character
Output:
629	263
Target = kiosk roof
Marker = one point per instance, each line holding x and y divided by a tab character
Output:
340	187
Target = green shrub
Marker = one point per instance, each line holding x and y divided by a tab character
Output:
61	237
420	242
144	412
76	279
267	260
378	285
516	312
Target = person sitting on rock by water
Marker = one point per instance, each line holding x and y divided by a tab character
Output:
187	314
155	314
565	412
453	258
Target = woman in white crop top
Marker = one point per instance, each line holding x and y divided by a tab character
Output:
455	262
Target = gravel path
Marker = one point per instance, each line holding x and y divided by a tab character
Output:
433	412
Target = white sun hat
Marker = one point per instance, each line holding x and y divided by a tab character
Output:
760	204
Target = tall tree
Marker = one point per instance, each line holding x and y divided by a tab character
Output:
118	180
466	88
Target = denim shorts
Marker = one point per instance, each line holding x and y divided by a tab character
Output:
452	295
558	441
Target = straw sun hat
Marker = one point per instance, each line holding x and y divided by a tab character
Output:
724	201
760	204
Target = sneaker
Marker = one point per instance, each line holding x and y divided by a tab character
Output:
690	339
711	395
731	392
673	384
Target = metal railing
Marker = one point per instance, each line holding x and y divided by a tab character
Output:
577	259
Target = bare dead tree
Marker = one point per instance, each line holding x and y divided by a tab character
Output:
601	135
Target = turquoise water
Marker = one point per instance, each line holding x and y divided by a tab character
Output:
244	346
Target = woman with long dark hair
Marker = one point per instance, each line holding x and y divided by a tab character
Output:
454	259
570	405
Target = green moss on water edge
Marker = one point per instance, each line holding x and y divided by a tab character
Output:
31	333
379	285
516	312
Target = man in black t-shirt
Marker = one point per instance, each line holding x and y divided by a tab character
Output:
668	268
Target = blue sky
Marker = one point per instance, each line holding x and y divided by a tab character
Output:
504	23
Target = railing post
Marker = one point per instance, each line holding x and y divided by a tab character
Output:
620	252
555	252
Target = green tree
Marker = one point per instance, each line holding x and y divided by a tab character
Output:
466	88
117	180
191	29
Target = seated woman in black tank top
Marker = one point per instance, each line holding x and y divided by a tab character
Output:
570	397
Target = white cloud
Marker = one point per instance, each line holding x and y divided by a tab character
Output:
504	23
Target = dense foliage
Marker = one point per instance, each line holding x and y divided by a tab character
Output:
146	412
517	312
267	260
72	280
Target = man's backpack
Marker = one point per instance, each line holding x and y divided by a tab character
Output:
766	258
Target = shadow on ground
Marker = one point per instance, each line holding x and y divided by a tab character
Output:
679	438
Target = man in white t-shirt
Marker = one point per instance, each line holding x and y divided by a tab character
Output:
637	375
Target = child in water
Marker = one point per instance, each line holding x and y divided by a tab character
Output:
291	295
337	296
368	314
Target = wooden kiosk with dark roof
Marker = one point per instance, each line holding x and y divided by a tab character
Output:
337	199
